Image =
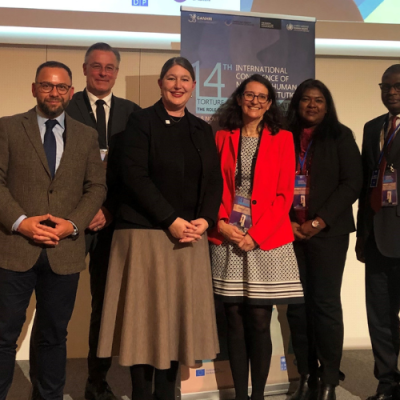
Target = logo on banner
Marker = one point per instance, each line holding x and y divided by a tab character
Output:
298	28
196	18
270	23
140	3
228	22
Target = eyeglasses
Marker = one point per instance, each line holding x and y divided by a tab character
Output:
249	96
47	87
110	69
385	87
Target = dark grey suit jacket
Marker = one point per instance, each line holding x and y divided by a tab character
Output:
120	111
76	192
119	114
386	223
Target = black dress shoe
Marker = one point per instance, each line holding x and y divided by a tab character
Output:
327	392
307	389
98	391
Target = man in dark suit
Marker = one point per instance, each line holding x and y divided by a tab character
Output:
97	107
378	233
51	186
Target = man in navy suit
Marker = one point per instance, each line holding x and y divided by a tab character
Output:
378	234
97	107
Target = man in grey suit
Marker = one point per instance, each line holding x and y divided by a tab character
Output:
51	186
378	235
97	107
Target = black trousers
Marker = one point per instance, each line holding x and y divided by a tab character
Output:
55	299
98	245
382	284
317	325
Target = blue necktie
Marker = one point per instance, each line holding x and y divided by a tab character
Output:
50	146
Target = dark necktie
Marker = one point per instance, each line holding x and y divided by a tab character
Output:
101	124
50	145
376	192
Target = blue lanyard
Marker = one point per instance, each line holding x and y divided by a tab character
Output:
301	162
388	142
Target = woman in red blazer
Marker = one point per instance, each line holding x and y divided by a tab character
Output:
253	262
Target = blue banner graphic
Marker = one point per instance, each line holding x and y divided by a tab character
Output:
226	49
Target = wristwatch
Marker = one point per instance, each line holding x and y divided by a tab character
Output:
75	233
315	224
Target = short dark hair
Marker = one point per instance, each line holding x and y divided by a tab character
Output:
330	125
230	115
181	61
103	47
53	64
393	69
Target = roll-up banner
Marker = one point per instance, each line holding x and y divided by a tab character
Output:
225	48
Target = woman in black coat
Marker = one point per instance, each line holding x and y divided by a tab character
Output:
328	182
170	193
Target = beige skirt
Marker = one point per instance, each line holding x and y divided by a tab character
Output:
166	302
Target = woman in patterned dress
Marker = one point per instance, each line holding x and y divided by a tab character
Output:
253	262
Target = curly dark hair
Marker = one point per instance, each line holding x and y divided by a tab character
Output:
230	114
330	125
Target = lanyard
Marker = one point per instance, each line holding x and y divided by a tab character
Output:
238	177
387	142
301	162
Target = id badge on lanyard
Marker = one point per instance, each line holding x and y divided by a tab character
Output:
301	191
241	213
301	187
389	188
389	179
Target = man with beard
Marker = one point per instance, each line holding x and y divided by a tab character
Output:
378	233
96	106
51	186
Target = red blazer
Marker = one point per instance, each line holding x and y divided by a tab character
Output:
273	187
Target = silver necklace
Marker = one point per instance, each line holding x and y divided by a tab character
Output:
176	120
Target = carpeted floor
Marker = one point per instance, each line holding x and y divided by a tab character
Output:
356	364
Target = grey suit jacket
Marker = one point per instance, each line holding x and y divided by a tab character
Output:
386	223
120	111
76	192
119	115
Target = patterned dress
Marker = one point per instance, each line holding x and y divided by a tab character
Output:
255	277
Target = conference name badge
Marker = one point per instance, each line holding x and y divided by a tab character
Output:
103	154
241	213
374	178
301	190
389	188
